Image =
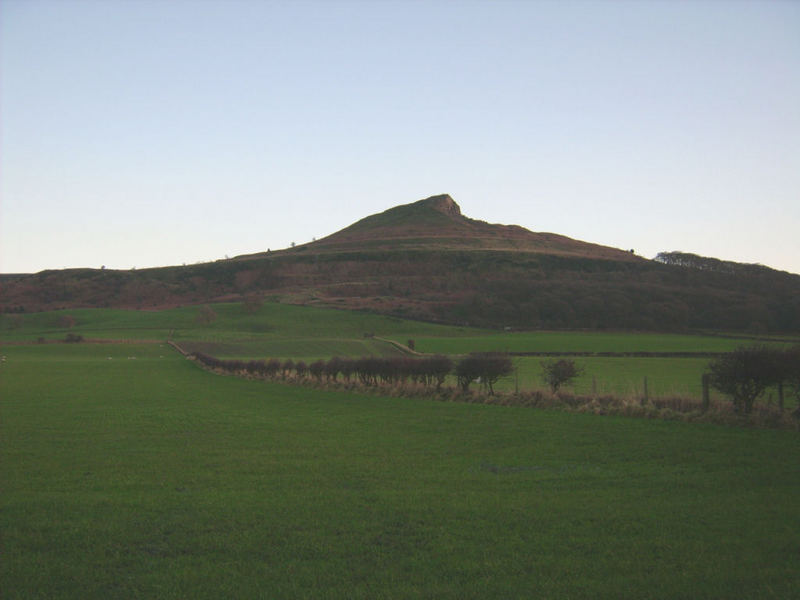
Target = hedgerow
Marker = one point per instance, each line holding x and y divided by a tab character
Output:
424	378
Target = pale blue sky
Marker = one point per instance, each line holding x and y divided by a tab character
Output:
147	133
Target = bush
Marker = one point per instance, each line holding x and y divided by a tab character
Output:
332	368
287	367
301	369
73	338
488	367
437	368
272	367
256	367
745	373
556	373
790	368
317	369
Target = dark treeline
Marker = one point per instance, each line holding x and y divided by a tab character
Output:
429	371
707	263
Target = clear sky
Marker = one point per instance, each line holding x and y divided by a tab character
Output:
140	133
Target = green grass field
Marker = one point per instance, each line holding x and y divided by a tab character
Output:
309	333
147	477
621	376
274	321
233	323
562	341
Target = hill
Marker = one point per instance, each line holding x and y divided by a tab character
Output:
427	261
437	222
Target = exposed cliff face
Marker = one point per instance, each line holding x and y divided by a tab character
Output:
444	204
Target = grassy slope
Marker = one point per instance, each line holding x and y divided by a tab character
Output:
150	478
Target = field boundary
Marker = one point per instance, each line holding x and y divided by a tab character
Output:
83	341
177	347
403	348
624	354
675	408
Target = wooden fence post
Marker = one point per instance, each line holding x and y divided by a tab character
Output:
644	396
706	378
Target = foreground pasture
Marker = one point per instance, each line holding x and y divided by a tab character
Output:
147	477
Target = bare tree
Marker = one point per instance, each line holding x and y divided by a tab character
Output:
488	367
556	373
745	373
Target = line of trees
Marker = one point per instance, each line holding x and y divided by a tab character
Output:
747	372
487	368
429	371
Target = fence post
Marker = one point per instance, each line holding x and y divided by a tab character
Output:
594	386
780	395
644	396
706	378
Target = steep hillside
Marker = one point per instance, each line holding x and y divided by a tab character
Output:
425	260
437	222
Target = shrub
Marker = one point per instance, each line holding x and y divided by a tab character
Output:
287	367
317	369
436	369
793	375
745	373
346	367
467	371
556	373
332	368
301	369
493	367
272	368
256	367
488	367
